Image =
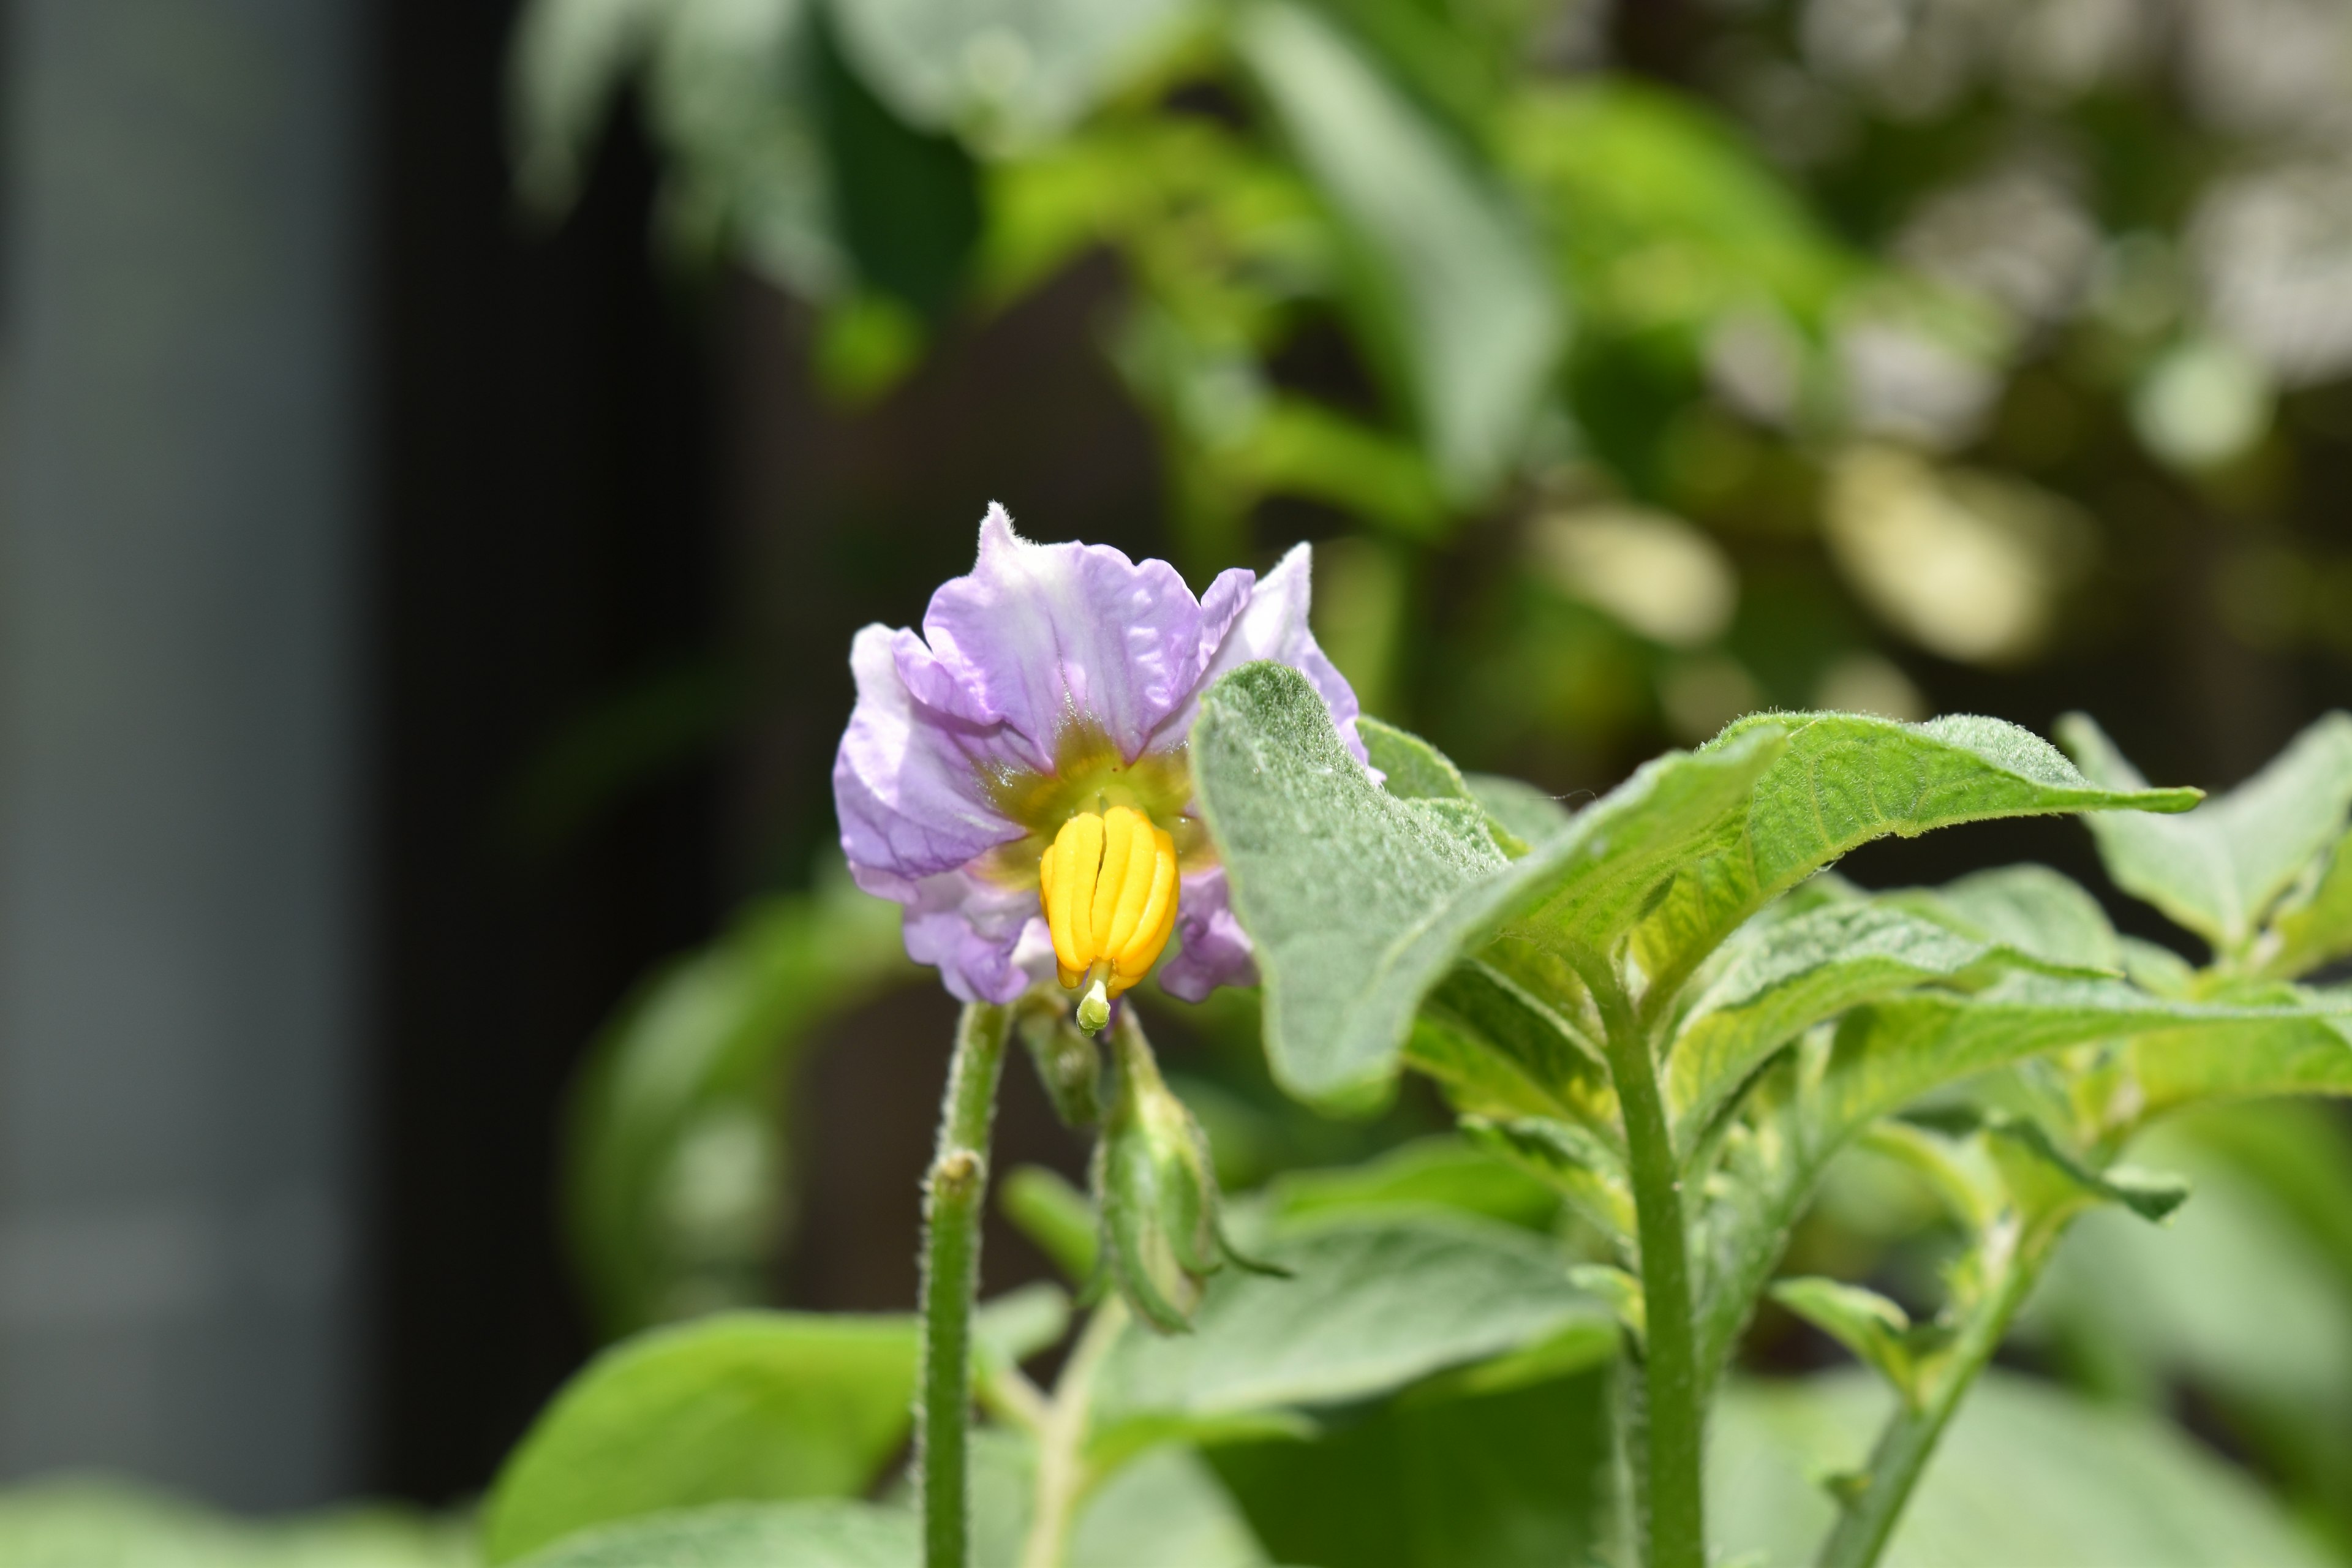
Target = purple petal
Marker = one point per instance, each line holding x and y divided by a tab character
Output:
1040	635
1217	951
975	933
905	782
1273	624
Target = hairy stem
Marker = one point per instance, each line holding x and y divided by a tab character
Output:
952	1198
1909	1438
1061	1444
1671	1475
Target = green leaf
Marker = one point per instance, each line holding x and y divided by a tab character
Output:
1865	1322
2239	1295
1450	291
905	199
741	1407
1442	1173
2314	924
1165	1511
79	1523
1805	970
1369	1307
1008	69
2031	908
2306	1052
1844	780
1527	812
568	59
1583	1169
2025	1474
673	1147
732	94
1330	874
1361	902
1512	1479
2047	1182
828	1534
1885	1054
2219	869
1413	768
1664	215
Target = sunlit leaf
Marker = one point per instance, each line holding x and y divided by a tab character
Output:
2219	869
1361	903
1808	969
1450	290
739	1407
1007	69
1846	779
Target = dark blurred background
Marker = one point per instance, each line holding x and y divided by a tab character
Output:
425	601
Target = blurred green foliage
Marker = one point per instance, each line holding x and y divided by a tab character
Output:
1635	368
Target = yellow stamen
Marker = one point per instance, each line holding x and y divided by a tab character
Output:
1108	886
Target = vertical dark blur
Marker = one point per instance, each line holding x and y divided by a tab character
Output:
544	544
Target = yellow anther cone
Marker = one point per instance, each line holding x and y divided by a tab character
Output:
1108	886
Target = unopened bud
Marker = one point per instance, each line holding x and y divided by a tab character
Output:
1157	1192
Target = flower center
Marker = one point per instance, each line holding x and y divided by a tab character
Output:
1108	886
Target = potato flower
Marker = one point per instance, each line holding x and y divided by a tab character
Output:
1017	776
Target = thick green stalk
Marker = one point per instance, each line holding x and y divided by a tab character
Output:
1671	1473
1061	1440
1909	1438
952	1199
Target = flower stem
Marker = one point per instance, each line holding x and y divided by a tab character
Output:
952	1198
1909	1438
1061	1444
1670	1473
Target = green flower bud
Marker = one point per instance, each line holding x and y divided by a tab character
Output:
1156	1190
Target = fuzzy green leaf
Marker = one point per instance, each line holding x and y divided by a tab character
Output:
832	1533
1369	1307
2031	908
2219	869
1333	877
738	1408
1361	903
1807	969
1844	779
1451	294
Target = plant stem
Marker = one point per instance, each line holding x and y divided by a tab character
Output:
952	1198
1061	1445
1672	1486
1910	1436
